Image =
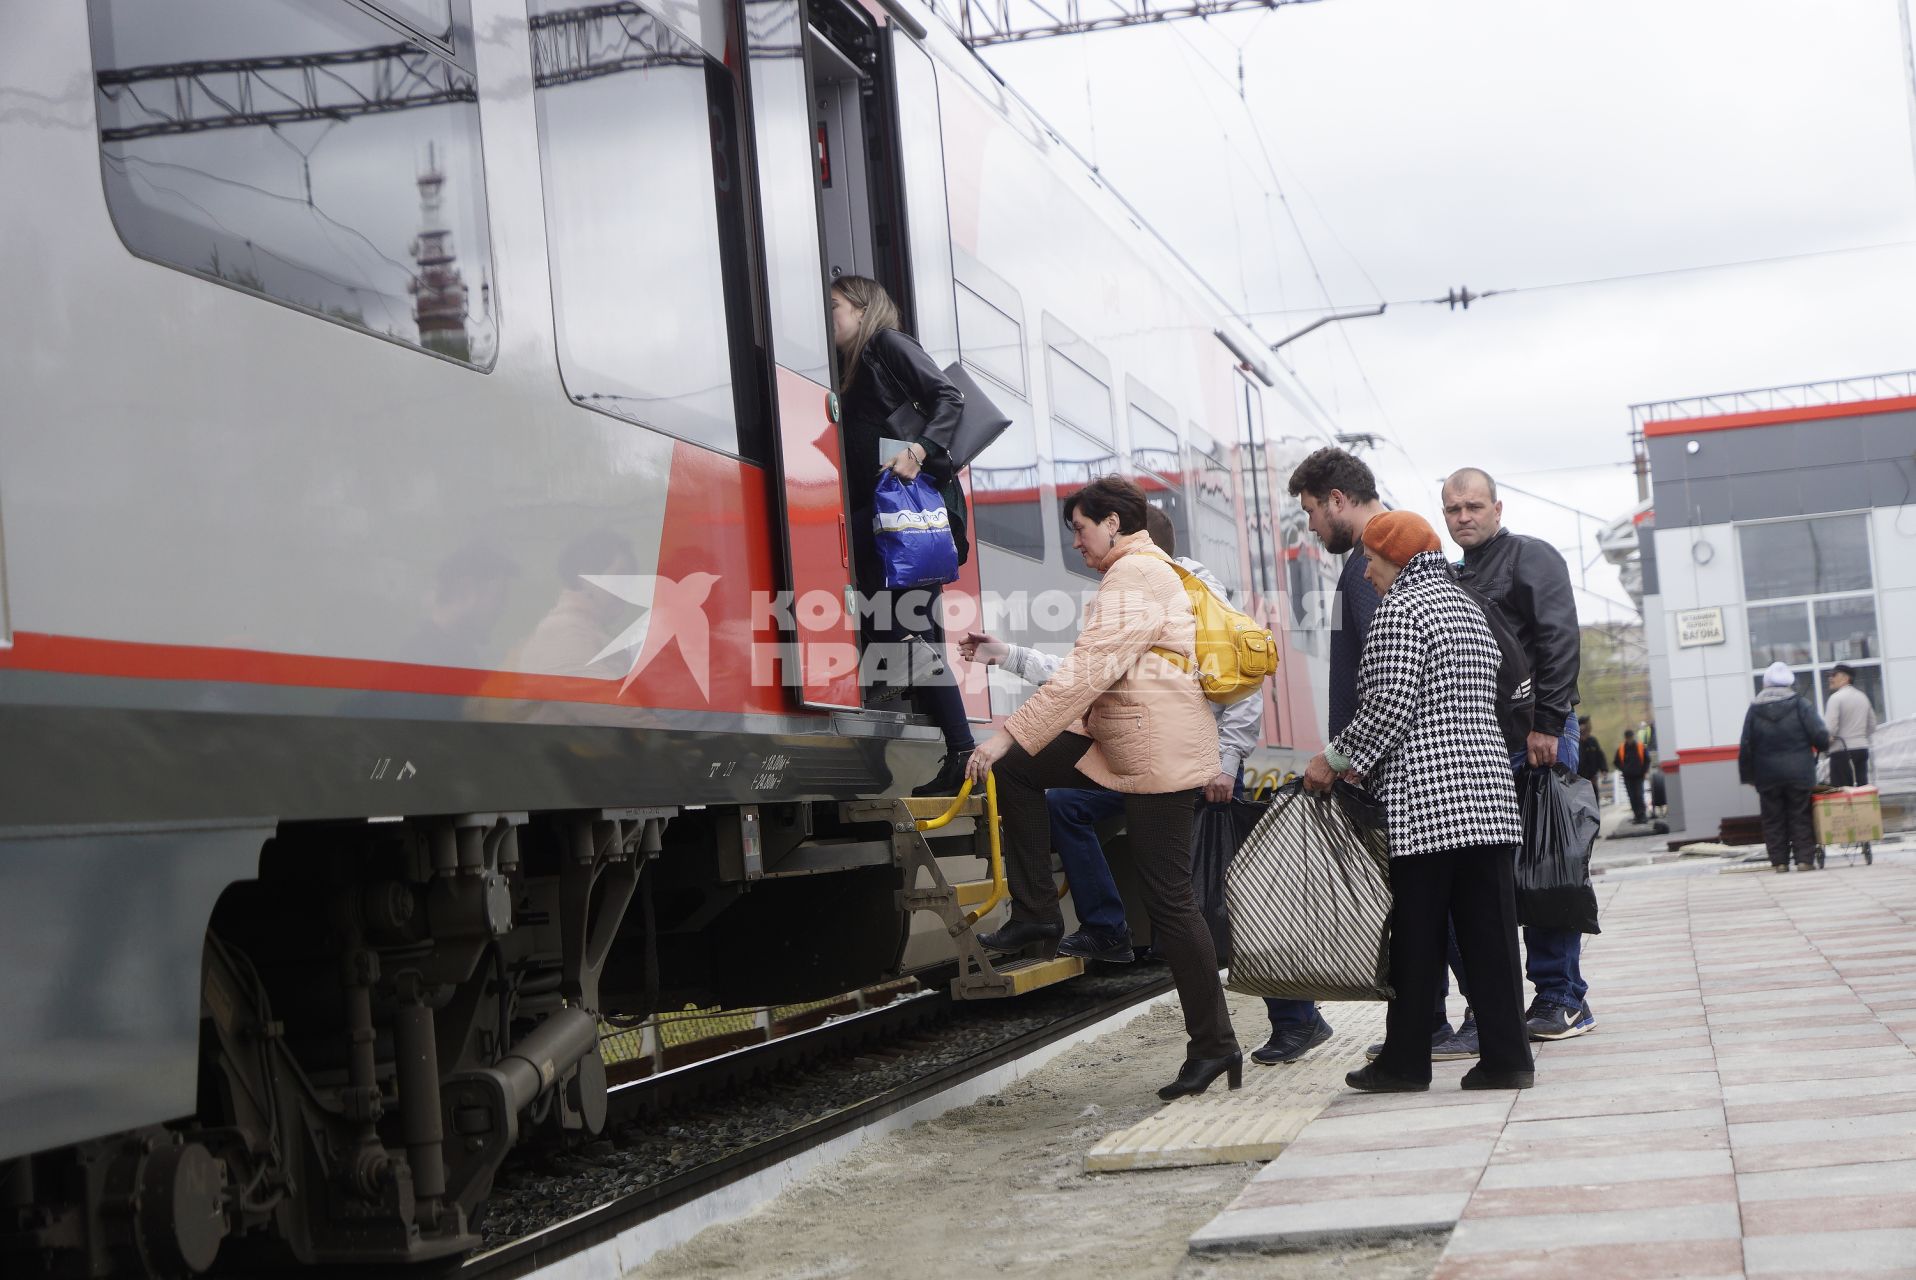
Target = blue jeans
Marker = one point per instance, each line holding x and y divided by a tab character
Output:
1075	814
1553	958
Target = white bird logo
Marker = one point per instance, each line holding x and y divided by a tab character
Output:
678	606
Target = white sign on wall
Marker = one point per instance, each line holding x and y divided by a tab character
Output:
1699	627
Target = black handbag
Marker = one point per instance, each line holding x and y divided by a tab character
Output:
979	423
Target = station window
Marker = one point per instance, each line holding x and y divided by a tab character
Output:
1812	602
787	178
646	222
1804	557
313	152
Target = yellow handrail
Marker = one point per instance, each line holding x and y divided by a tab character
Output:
998	887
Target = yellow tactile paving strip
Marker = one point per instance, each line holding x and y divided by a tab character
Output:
1223	1126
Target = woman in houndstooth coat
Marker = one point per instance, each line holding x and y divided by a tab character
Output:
1426	740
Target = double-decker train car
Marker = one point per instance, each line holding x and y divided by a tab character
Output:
425	614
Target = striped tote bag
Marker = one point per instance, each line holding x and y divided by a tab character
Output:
1309	899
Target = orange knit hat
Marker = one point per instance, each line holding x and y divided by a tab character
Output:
1396	536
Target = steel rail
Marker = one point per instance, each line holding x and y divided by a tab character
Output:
529	1253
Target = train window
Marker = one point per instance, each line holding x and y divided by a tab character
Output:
927	219
1262	492
1006	502
1079	460
1079	396
306	152
430	18
787	179
1156	456
646	222
993	341
1083	438
1215	514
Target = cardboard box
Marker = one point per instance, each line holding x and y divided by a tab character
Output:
1834	824
1865	814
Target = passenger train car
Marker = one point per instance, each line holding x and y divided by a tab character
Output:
424	593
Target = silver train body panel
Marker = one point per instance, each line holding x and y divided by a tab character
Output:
225	523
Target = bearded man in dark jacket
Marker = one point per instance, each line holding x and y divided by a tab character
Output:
1781	734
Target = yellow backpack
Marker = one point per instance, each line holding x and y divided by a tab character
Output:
1234	655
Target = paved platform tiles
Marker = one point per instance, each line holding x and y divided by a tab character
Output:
1747	1105
1255	1122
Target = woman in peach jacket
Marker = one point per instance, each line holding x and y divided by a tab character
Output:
1117	715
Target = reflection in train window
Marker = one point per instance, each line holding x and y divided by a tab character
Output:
1006	500
1079	396
921	155
787	178
1155	456
1006	503
1077	462
427	17
993	341
305	151
646	223
1310	578
1215	516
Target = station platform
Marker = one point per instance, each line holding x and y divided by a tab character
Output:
1746	1106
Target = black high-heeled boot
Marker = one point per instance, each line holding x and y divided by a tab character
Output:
1196	1074
951	776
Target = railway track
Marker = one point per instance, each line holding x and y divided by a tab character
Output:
704	1143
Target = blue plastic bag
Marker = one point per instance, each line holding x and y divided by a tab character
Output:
913	531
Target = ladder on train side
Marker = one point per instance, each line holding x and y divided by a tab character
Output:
960	906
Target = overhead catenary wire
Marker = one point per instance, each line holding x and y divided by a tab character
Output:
1456	298
1267	155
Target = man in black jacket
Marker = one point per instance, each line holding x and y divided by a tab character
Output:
1591	765
1634	764
1527	579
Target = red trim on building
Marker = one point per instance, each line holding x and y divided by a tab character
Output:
1700	755
1770	417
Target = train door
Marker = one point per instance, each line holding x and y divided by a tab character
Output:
923	234
819	613
875	157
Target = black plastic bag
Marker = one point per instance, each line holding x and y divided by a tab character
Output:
1560	824
1221	828
1309	895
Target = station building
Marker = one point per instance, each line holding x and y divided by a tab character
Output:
1781	527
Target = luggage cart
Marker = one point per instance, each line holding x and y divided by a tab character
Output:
1847	816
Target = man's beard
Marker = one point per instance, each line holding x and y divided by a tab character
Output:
1342	538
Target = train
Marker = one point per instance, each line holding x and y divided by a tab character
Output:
426	630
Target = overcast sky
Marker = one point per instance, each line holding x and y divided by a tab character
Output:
1420	146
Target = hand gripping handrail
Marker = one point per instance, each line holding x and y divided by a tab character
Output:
998	889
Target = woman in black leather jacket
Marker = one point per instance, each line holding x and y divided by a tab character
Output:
886	371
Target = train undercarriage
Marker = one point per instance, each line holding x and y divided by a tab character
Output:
389	1008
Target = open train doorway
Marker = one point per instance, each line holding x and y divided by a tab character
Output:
881	173
840	88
